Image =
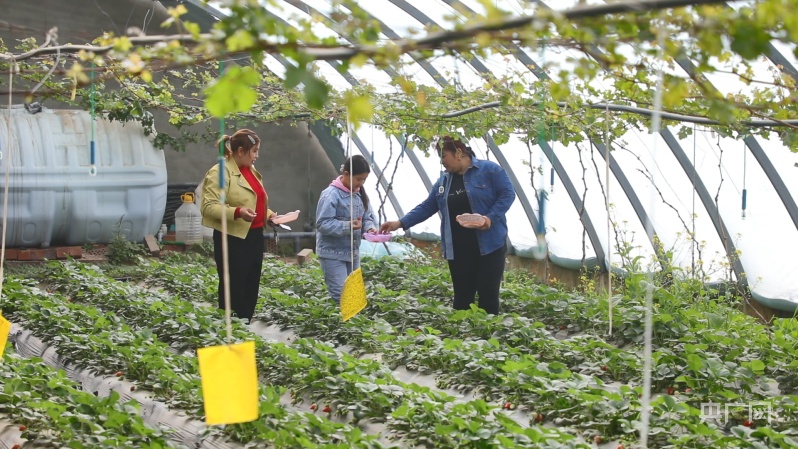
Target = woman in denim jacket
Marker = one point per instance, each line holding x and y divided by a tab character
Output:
475	255
335	220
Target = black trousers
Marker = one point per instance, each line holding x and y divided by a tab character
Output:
474	274
245	258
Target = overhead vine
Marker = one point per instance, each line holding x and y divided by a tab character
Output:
602	55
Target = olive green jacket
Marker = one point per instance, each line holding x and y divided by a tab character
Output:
238	193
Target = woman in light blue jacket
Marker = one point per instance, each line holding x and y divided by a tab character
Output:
340	218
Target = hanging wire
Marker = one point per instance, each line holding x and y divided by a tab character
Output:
552	130
403	145
562	139
310	192
607	206
540	252
693	243
13	67
351	194
656	121
745	167
225	254
92	148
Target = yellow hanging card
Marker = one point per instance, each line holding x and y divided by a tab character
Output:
5	328
229	383
353	296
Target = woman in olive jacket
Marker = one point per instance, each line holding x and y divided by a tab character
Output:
246	210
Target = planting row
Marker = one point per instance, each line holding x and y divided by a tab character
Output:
503	365
52	411
361	390
102	342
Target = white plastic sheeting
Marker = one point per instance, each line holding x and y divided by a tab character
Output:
184	430
765	238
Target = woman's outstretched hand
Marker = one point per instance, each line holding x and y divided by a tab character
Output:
390	226
247	214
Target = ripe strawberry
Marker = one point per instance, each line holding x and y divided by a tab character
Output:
16	446
597	439
562	328
620	446
539	418
670	391
132	388
327	409
508	405
313	406
748	423
119	374
604	367
22	428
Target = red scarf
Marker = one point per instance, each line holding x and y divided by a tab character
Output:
260	192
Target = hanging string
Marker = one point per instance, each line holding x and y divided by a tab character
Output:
351	196
541	251
562	139
487	145
607	206
693	243
310	193
745	167
542	193
551	170
656	120
13	67
92	160
228	322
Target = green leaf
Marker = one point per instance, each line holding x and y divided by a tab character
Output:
749	41
694	362
295	76
757	366
669	401
359	109
316	92
232	93
240	40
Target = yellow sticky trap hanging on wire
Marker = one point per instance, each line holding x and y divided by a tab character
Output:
229	383
5	328
353	296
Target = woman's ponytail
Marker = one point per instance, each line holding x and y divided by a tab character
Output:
226	140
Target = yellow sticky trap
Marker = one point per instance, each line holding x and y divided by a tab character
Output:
5	328
353	296
229	383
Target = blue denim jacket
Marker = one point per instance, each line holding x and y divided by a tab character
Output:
490	193
333	224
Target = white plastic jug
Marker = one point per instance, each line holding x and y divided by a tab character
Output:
207	233
188	221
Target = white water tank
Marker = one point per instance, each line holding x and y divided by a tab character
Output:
188	221
53	199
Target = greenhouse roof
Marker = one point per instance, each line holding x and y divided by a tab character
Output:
719	208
